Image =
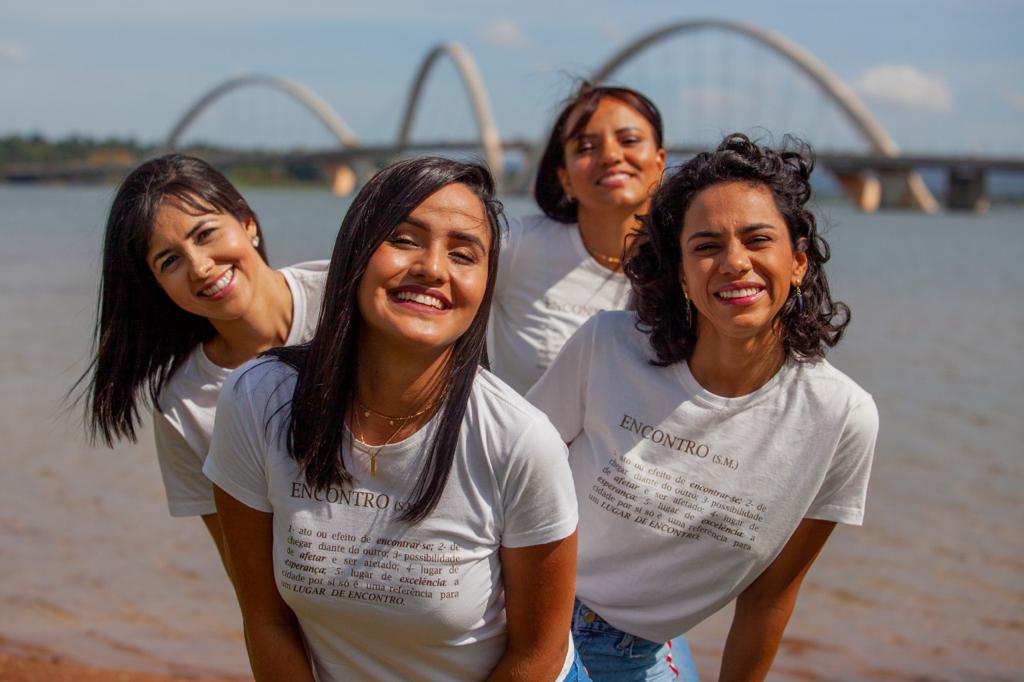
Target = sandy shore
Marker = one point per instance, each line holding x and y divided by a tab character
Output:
26	663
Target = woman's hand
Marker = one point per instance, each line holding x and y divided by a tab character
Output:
764	608
272	635
540	584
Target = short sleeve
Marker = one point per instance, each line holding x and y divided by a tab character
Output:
538	499
237	459
189	492
510	240
843	493
561	391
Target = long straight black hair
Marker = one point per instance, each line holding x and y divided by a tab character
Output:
327	365
141	336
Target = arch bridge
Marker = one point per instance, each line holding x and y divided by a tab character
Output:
871	180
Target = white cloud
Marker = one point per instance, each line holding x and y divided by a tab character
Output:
905	87
503	32
12	53
1015	98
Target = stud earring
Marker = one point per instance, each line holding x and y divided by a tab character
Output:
256	242
689	315
799	300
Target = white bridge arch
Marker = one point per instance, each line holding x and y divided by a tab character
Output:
468	72
303	95
916	193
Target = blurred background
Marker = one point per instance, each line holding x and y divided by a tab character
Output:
913	108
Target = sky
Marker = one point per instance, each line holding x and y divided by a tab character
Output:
940	76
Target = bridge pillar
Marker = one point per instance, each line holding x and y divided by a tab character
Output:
967	190
901	189
342	178
863	189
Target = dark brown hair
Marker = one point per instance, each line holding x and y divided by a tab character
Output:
141	336
327	369
655	255
548	190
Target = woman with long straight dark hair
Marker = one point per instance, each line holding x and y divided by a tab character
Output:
603	160
388	505
713	447
186	295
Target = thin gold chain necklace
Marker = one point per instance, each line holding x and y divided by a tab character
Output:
374	452
402	421
613	262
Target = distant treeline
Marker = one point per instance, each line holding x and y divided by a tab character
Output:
26	151
36	149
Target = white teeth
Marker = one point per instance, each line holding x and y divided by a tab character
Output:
420	298
615	177
737	293
219	285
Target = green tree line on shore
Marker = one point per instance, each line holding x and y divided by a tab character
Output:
21	151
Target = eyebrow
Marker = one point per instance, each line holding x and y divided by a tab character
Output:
718	233
624	129
188	235
458	235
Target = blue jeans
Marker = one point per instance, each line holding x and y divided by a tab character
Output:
615	656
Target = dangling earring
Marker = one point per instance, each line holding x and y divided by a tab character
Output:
256	242
689	315
799	300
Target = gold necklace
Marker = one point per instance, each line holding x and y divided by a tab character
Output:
374	453
615	262
367	410
402	421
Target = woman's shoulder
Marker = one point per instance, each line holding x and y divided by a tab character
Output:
195	377
502	411
267	378
311	274
537	228
614	329
832	388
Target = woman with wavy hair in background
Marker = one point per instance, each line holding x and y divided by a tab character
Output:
712	446
186	295
388	505
602	161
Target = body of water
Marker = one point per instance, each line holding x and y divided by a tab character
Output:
931	587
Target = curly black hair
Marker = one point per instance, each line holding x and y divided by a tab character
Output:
655	255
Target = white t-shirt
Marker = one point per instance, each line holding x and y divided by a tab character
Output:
547	286
377	598
685	496
183	418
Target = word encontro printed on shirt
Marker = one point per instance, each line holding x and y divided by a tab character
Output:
371	568
676	505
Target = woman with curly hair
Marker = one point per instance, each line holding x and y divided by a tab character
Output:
713	447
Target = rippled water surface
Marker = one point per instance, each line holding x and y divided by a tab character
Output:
932	587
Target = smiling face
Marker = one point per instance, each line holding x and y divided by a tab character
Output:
424	284
614	162
205	262
738	263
